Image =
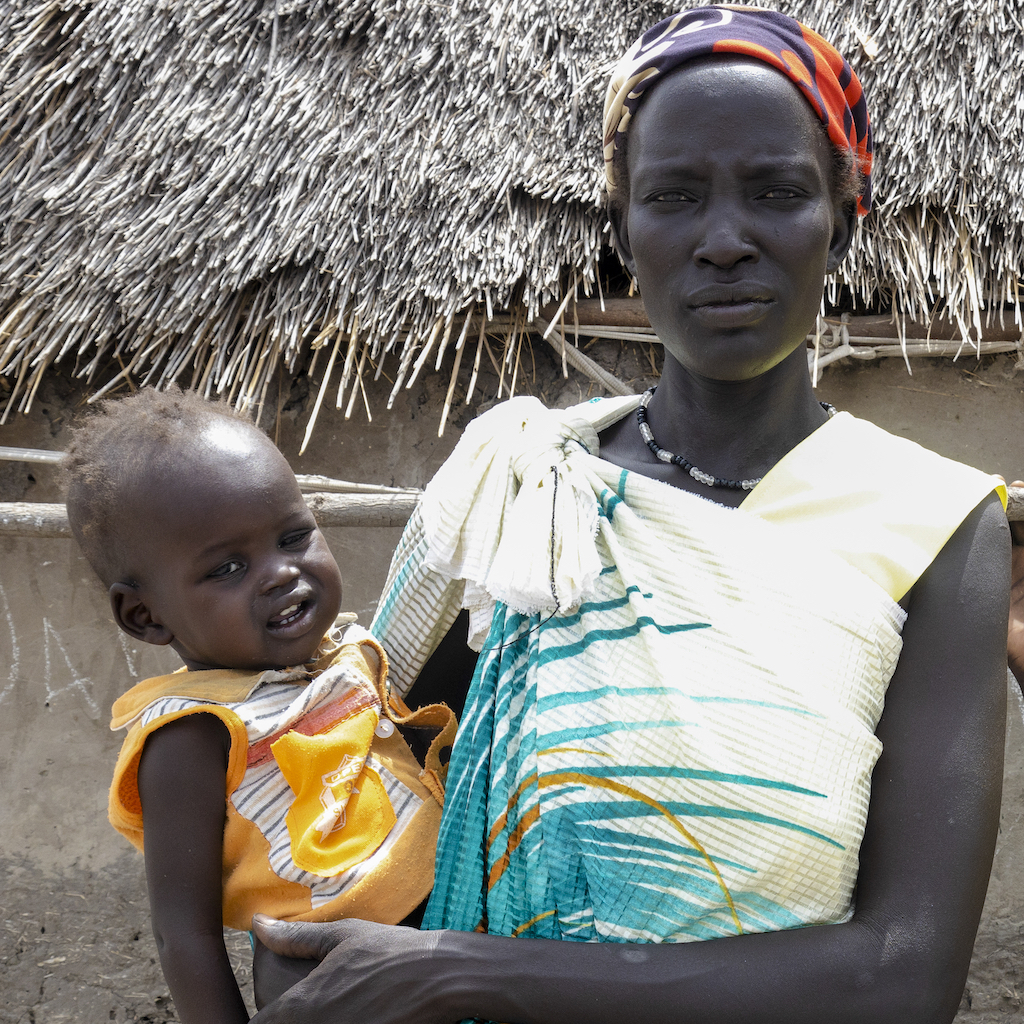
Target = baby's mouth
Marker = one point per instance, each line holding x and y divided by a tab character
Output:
286	616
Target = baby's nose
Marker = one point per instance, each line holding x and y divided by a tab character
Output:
281	574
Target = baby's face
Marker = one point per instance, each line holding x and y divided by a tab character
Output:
231	561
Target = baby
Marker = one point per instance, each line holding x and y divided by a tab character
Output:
267	774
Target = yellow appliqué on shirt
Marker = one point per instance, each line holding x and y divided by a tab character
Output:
341	812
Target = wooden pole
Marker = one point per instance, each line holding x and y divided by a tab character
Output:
307	481
40	519
582	362
1015	504
362	509
33	519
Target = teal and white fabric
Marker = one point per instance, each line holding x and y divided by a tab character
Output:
670	734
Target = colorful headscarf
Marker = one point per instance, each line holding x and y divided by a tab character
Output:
815	66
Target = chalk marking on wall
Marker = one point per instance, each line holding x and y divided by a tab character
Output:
128	655
83	685
12	675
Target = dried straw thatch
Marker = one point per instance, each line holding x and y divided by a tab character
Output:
205	190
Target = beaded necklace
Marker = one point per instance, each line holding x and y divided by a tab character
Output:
698	474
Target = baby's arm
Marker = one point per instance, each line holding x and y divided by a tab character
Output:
182	777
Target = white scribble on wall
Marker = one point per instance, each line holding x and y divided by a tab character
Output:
129	655
51	639
12	674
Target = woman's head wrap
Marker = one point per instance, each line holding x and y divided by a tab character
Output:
816	68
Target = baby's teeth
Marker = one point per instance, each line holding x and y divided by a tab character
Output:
289	610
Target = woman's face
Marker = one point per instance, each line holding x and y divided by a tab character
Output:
730	226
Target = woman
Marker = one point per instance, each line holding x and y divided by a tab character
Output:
672	728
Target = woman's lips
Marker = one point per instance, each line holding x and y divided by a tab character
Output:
739	313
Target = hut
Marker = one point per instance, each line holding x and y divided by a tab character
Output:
214	193
222	194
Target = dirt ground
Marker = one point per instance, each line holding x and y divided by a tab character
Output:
77	947
75	943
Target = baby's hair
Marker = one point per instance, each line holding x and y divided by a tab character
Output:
112	450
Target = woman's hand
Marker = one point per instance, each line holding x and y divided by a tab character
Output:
369	973
273	975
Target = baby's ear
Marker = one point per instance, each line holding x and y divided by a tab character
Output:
132	614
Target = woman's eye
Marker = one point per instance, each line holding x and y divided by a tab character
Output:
671	197
296	539
228	568
781	192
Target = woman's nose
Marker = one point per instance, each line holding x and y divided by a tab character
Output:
725	239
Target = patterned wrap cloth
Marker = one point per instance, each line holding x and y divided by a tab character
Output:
813	65
670	733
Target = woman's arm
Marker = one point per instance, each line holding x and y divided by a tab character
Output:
903	957
182	777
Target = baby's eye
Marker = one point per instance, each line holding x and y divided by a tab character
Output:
295	539
228	568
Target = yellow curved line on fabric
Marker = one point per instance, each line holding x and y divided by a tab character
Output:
559	778
573	750
529	924
513	800
526	822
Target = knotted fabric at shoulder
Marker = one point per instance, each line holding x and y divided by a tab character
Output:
513	511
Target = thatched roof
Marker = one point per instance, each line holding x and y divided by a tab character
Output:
204	189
